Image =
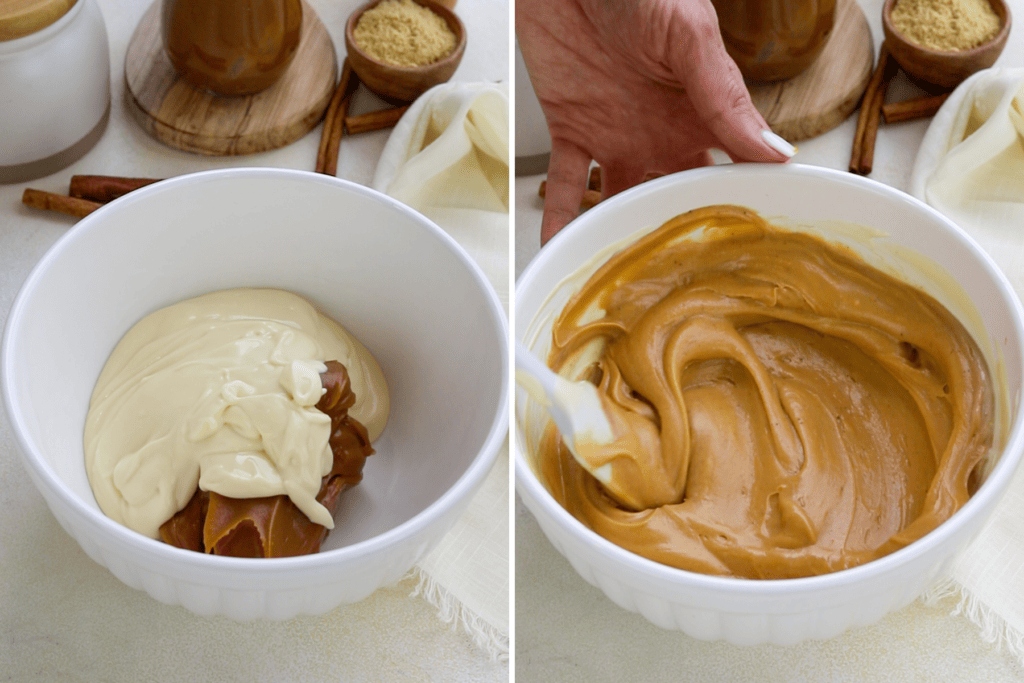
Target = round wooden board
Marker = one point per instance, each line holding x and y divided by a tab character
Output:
820	98
197	120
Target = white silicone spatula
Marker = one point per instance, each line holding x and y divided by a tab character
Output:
578	413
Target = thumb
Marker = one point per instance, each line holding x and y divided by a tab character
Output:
716	89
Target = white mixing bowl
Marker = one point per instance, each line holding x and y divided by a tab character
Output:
891	230
392	278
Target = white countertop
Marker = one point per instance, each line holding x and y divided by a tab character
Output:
567	630
65	618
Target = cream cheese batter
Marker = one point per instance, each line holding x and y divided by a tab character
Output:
219	392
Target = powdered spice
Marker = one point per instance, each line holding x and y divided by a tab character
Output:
948	25
403	33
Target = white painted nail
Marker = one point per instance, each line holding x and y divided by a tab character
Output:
778	143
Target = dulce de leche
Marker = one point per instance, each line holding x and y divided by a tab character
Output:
231	47
772	40
812	412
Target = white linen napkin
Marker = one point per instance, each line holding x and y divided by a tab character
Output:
970	166
448	158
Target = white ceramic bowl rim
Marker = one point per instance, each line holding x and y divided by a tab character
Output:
1010	458
158	550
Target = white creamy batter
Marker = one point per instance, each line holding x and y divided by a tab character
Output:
220	391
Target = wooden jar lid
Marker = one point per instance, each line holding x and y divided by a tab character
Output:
822	97
19	18
183	116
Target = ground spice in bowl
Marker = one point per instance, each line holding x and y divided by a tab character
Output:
948	25
404	33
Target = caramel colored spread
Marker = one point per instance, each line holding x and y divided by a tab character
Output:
796	411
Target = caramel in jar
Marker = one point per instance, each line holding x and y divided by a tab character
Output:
772	40
231	47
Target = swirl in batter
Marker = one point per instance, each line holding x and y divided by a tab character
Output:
787	410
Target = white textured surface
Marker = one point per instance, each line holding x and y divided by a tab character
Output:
560	618
62	616
65	618
568	631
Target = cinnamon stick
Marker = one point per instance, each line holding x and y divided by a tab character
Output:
867	153
862	154
914	108
334	121
48	201
377	120
592	195
105	188
594	181
590	199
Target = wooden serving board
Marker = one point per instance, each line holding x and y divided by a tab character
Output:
820	98
196	120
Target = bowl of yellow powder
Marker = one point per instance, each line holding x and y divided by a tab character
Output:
402	48
942	42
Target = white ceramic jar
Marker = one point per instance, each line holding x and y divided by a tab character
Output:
54	85
533	141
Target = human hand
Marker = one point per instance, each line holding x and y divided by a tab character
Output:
643	86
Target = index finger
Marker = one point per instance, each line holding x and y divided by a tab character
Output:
716	88
568	172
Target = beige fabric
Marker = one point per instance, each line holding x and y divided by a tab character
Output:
448	157
450	150
970	166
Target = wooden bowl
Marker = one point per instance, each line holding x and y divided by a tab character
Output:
400	82
946	69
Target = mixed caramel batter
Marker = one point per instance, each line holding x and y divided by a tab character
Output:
797	411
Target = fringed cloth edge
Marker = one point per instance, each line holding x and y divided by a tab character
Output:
451	611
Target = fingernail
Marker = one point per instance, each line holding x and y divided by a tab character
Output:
778	143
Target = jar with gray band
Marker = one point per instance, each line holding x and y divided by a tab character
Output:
54	85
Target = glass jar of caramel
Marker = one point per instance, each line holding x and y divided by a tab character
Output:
773	40
231	47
